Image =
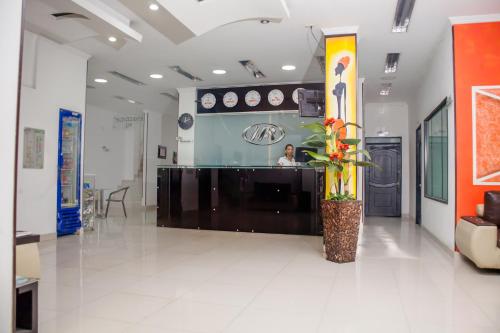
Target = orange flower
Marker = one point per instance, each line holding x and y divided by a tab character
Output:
334	155
342	130
340	156
329	121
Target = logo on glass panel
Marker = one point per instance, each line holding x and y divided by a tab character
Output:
263	134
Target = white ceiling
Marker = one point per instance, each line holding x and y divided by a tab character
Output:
269	46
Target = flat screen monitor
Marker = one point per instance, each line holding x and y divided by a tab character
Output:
303	157
311	103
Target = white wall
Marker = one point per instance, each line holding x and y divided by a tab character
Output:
187	104
393	118
117	161
169	133
10	44
56	79
153	138
436	84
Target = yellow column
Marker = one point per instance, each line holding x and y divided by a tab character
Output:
341	84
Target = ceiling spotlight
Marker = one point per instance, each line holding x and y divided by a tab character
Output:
391	63
112	39
131	101
386	89
288	67
154	7
156	76
402	17
219	71
98	80
265	21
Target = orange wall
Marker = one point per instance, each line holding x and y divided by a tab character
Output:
477	63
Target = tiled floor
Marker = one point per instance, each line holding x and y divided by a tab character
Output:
130	276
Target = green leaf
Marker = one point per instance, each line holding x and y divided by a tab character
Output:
353	142
319	137
365	164
315	127
360	151
317	164
351	124
314	143
335	167
316	156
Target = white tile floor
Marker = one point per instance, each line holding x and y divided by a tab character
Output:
130	276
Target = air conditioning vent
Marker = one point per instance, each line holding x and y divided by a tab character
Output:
171	96
252	68
182	72
67	15
127	78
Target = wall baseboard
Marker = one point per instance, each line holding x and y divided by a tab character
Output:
47	237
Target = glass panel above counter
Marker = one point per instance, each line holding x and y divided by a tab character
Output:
220	141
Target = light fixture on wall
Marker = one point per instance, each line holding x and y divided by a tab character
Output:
154	7
112	39
156	76
391	62
402	17
100	80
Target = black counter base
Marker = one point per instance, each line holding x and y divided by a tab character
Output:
284	201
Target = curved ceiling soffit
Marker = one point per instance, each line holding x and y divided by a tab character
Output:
181	20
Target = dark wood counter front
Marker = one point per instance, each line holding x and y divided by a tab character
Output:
270	200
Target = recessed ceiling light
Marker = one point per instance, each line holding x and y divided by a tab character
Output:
131	101
265	21
156	76
219	71
391	63
402	17
112	39
288	67
154	7
99	80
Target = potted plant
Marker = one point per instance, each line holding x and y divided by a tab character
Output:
341	212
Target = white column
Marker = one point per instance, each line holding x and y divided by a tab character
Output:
185	138
10	44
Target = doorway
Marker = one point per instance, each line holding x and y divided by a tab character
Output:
418	181
383	185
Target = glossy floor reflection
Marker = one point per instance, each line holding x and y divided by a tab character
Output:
130	276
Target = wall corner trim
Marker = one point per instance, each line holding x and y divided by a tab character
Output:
495	17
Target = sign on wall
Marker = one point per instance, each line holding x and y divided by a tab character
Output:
33	150
123	122
341	86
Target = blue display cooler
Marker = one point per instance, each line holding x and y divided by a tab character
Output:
68	174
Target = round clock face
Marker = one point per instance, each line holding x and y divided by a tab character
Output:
230	99
208	101
275	97
252	98
185	121
295	95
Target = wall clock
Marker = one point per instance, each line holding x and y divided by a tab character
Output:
208	101
252	98
230	99
186	121
295	95
275	97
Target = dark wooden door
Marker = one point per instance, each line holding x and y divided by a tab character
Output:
418	161
383	185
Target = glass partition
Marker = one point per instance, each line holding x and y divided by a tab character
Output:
219	140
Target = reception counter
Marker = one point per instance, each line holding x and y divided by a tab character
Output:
248	199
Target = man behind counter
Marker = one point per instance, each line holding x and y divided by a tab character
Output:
288	159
